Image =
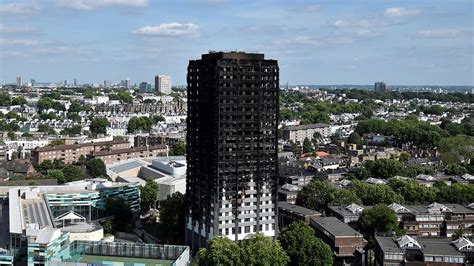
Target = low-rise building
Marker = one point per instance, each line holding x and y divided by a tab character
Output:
116	155
288	193
346	243
290	213
71	153
406	250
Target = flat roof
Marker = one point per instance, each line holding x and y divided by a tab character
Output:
438	247
297	209
14	209
388	244
335	227
302	127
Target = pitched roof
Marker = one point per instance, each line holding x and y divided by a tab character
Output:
463	243
354	208
407	241
438	208
397	208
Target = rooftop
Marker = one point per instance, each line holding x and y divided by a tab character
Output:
302	127
335	227
297	209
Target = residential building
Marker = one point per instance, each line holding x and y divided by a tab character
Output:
71	153
117	155
433	220
145	87
288	193
348	214
290	213
299	133
16	168
232	146
406	250
163	84
346	243
380	86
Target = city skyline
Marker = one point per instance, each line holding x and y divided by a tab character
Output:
316	42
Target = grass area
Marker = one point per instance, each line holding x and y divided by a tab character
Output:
106	260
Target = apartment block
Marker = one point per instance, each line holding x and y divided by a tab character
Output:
114	156
71	153
299	133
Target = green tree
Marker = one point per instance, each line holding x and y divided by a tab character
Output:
307	146
5	99
384	168
121	212
345	197
158	118
379	218
358	173
149	195
172	218
107	225
56	142
125	97
316	195
58	175
456	149
11	135
259	249
178	149
302	247
411	192
455	169
221	251
82	160
99	126
74	117
19	100
374	194
404	157
354	138
96	167
141	123
72	173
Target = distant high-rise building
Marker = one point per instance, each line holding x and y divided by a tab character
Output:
19	83
232	146
163	84
107	83
66	82
75	82
33	82
380	86
127	83
145	87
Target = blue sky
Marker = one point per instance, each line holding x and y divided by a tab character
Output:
408	42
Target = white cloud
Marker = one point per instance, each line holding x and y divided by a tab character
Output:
19	9
443	33
18	42
9	29
173	29
339	24
401	12
95	4
312	8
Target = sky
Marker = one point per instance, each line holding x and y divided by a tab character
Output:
411	42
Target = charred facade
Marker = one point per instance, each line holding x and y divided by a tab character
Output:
231	146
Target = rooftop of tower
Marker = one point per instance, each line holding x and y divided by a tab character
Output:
233	55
